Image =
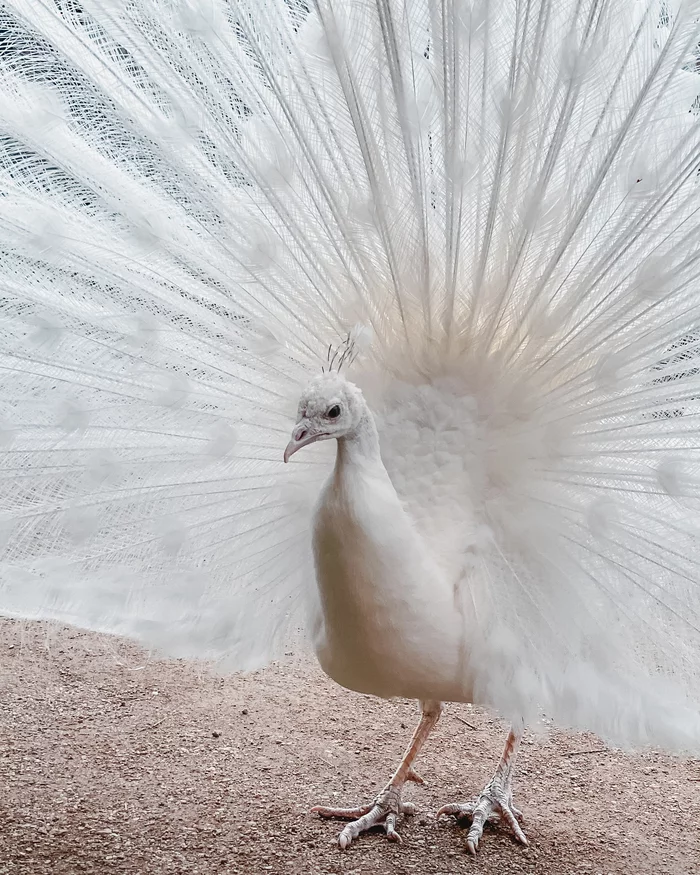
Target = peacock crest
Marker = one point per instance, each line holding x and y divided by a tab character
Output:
340	356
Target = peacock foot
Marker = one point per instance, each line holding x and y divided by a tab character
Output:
384	811
493	805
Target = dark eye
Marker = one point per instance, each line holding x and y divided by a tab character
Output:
334	412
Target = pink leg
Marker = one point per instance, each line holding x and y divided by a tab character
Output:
495	803
388	806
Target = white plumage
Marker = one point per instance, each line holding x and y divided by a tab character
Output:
388	623
497	203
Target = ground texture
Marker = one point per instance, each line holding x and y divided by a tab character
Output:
111	762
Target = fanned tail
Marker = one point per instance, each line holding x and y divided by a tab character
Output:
197	199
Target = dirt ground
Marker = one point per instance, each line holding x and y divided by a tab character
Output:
111	762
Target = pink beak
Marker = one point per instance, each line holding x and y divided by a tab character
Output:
300	438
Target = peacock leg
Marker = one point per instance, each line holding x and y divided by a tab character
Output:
388	806
495	802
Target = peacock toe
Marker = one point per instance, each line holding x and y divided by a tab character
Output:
494	805
385	811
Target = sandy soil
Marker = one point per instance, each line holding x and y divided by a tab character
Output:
111	762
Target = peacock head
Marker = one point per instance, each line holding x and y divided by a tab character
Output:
330	407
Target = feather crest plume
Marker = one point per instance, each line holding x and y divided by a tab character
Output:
197	197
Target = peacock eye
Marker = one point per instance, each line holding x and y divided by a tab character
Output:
334	412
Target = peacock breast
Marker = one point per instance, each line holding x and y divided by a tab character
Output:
389	622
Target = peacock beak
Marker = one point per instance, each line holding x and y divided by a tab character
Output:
302	436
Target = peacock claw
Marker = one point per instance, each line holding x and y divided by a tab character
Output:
493	805
384	811
388	806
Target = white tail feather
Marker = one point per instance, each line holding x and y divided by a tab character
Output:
499	198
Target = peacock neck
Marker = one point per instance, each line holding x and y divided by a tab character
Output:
361	446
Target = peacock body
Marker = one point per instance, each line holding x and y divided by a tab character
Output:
491	206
